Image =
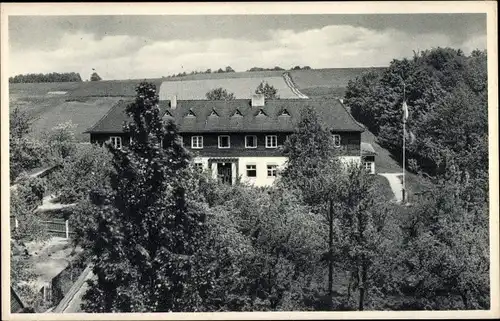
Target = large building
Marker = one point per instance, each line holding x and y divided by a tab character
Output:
242	137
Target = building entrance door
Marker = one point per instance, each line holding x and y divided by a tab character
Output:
224	172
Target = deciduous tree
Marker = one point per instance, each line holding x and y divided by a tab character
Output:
219	94
95	77
26	152
267	90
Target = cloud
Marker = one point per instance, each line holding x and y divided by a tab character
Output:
334	46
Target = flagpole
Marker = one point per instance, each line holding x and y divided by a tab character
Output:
404	144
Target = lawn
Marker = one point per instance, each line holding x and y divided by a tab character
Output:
415	184
384	162
382	188
324	92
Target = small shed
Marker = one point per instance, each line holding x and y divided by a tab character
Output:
368	154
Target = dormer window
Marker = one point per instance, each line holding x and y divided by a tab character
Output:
284	112
261	113
214	113
237	113
168	114
191	113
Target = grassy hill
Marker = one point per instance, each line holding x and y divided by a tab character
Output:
318	82
85	102
327	83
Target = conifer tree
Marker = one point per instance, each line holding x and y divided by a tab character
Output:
149	224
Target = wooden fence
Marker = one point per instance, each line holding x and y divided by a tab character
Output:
54	227
58	227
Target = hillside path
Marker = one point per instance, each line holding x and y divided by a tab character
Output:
396	185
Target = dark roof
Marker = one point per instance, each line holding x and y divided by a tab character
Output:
280	115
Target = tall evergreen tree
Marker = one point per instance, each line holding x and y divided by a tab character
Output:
149	223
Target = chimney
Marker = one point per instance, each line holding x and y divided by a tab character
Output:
258	100
173	102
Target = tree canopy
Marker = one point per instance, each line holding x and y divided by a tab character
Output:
95	77
446	94
267	90
219	94
50	77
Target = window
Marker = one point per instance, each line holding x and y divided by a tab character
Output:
116	141
198	166
271	170
251	141
368	166
237	113
261	113
284	112
224	141
197	142
336	140
251	170
271	141
180	139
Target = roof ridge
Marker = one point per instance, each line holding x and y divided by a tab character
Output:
104	116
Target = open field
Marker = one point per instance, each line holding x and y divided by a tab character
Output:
324	92
229	75
329	77
19	91
326	83
110	88
241	87
320	81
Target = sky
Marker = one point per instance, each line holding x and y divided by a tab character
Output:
132	47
